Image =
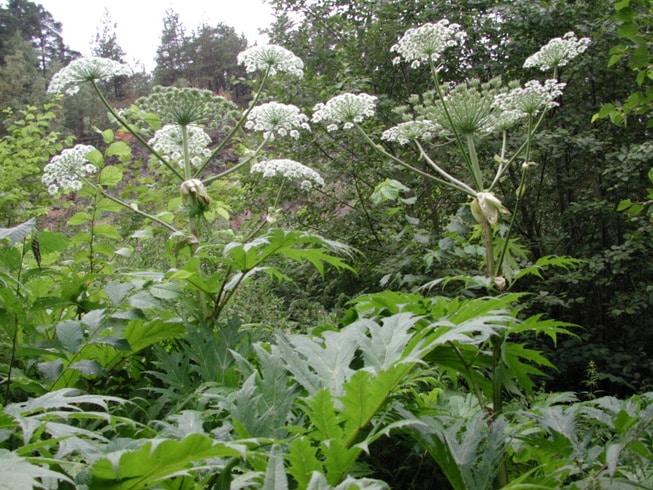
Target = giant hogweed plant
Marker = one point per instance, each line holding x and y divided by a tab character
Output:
299	411
465	114
171	124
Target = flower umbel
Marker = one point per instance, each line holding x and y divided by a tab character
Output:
169	142
530	99
271	57
420	44
273	117
83	70
346	109
558	52
411	130
184	106
291	170
66	170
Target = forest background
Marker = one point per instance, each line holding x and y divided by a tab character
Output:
588	197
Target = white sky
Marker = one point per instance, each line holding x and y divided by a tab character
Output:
140	22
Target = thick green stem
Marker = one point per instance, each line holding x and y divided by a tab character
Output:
451	180
473	158
520	192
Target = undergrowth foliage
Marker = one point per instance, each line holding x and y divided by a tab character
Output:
123	377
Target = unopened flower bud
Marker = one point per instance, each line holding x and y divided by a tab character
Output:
193	193
500	283
489	206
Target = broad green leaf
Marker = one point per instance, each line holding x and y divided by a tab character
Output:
388	190
328	360
107	136
87	367
144	300
168	290
110	176
106	230
628	30
118	148
18	232
96	158
275	475
302	456
51	242
338	459
141	334
79	218
19	474
117	292
94	318
387	342
323	415
70	334
158	460
51	370
109	205
365	396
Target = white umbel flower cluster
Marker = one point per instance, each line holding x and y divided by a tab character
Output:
291	170
271	57
532	98
427	42
68	79
169	142
346	109
275	118
558	52
412	130
66	170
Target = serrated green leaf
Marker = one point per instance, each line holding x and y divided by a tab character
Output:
156	461
18	232
302	456
141	334
117	292
87	367
70	334
107	136
110	176
628	30
323	415
625	14
118	148
79	218
109	205
168	290
19	474
624	204
144	300
275	475
338	459
106	230
94	318
96	158
50	242
50	369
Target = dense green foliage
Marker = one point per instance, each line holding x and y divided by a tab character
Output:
192	310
